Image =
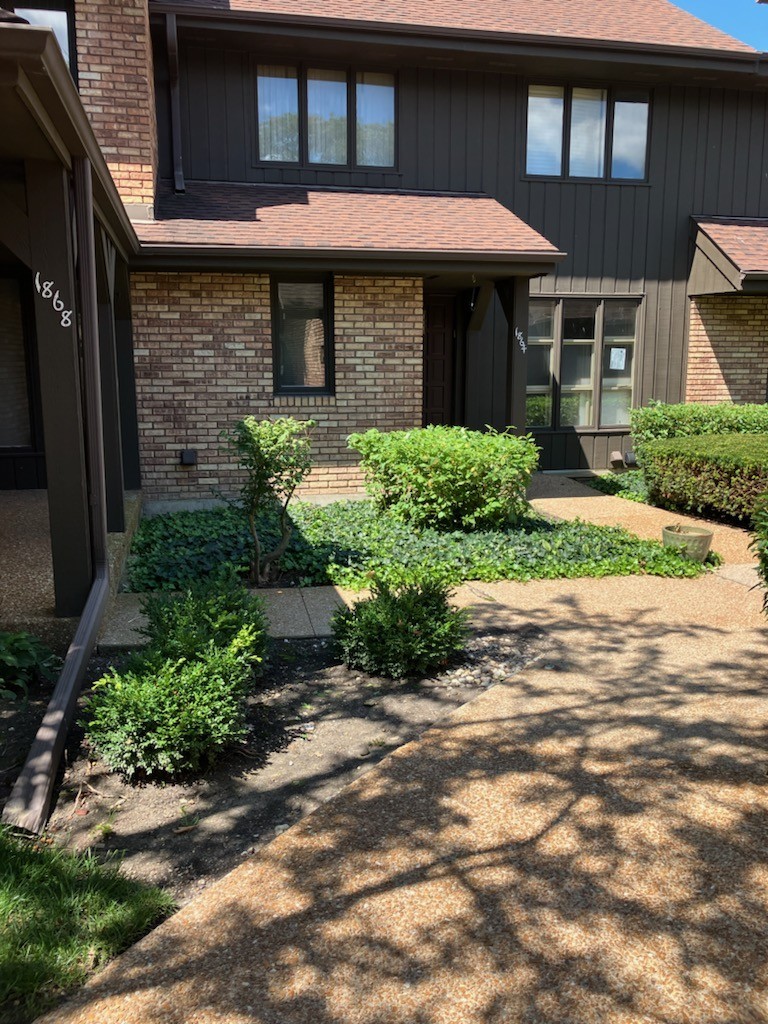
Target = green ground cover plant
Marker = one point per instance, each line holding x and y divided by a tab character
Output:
659	420
448	478
630	485
760	543
409	630
721	475
61	916
24	658
351	543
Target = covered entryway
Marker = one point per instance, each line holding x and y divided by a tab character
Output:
440	351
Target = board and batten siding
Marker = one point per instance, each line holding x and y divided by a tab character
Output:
463	131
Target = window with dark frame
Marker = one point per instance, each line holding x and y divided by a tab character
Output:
581	356
588	133
325	116
58	15
302	334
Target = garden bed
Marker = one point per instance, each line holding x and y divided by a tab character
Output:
315	726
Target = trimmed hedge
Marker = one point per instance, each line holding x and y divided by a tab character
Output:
448	478
722	475
657	421
760	543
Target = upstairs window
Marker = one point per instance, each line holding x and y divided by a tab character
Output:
57	16
587	133
325	117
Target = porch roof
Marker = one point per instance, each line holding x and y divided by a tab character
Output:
343	226
731	255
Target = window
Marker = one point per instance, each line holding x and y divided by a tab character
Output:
324	116
580	362
587	133
15	422
301	331
56	16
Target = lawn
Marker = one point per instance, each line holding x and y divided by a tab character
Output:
349	543
61	916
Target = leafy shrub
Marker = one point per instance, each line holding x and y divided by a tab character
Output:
657	421
410	630
448	478
275	457
630	485
166	717
760	543
212	610
24	658
720	475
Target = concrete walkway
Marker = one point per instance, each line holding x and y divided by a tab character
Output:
583	843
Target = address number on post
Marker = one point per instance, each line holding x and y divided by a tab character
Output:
45	289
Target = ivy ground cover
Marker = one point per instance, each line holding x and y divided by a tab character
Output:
350	543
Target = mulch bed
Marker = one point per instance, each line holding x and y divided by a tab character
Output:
314	727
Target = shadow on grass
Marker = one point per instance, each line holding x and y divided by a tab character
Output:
586	842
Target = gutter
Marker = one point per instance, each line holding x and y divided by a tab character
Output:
30	800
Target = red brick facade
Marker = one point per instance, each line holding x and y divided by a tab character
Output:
116	81
203	347
728	349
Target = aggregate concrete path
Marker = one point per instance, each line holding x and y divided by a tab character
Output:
585	842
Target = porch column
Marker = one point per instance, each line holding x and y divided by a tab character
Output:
51	250
513	295
110	399
126	379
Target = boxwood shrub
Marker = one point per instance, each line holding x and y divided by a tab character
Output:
658	420
410	630
448	478
720	475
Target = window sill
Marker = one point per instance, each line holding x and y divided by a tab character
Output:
555	179
304	398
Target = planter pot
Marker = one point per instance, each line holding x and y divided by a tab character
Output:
693	541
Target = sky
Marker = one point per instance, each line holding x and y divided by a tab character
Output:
744	19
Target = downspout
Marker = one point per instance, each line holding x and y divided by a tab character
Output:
30	800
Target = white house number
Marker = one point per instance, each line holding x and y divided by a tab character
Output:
521	340
45	289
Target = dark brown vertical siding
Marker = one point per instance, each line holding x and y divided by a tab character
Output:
463	131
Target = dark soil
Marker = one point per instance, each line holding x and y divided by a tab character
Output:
315	726
19	721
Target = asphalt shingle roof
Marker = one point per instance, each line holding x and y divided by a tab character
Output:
744	241
270	217
632	22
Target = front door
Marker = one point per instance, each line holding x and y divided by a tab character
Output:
439	357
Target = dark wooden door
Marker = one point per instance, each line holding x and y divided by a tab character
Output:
439	357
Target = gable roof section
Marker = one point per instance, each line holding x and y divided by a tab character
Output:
731	255
293	221
655	23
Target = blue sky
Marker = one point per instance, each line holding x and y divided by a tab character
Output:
745	19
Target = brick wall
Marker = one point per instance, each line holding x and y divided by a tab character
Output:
115	74
728	349
203	349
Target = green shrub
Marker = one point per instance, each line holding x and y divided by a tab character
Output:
657	421
760	543
24	658
630	485
448	478
721	475
167	717
212	610
410	630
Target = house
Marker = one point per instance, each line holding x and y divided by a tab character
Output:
370	214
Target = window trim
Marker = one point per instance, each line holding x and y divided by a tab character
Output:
275	279
303	163
595	427
611	91
68	6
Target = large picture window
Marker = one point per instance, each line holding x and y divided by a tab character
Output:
581	356
301	332
325	117
587	133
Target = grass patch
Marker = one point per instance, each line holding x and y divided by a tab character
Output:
630	485
61	916
350	543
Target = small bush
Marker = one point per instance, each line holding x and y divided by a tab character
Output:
448	478
630	485
411	630
721	475
213	610
658	421
24	658
760	543
167	717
